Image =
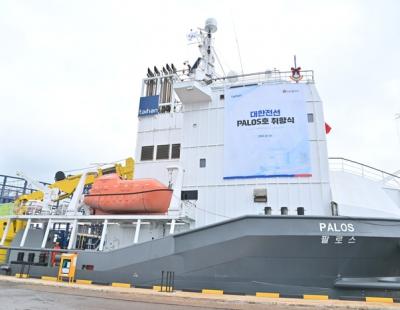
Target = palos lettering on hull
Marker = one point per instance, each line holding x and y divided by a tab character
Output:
233	190
336	227
256	253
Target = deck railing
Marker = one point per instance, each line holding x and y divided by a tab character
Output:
365	171
11	187
272	76
268	76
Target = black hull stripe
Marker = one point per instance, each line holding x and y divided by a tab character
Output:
135	193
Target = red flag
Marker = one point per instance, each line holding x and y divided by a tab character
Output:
327	128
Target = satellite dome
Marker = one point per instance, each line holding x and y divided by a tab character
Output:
211	25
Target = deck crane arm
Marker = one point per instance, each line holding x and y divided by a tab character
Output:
34	183
65	188
49	195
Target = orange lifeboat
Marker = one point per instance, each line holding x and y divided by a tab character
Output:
112	195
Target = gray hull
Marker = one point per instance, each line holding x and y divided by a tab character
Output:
289	255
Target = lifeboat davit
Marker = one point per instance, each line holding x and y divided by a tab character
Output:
112	195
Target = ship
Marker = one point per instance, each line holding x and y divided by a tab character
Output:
233	190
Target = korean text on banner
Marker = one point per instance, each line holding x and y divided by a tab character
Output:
266	132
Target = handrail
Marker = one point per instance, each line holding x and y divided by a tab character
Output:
267	72
363	165
9	176
268	75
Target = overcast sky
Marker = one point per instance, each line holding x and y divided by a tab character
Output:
70	71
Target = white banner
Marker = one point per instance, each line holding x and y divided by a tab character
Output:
266	132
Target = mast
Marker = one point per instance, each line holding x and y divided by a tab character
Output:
204	69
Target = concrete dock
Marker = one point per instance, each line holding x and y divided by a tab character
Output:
16	293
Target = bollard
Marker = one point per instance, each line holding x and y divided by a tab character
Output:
169	281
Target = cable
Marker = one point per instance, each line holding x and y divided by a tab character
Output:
205	211
80	169
219	62
95	165
213	213
237	43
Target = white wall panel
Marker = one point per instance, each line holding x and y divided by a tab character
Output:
200	128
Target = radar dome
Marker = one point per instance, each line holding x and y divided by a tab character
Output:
211	25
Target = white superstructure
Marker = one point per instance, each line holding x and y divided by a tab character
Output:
188	131
191	118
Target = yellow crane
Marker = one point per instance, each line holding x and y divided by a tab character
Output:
65	188
68	185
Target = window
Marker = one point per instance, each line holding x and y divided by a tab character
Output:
164	108
147	152
189	195
310	117
20	256
31	257
202	162
175	151
221	97
162	151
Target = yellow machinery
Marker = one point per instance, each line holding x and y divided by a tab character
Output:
67	267
15	226
68	185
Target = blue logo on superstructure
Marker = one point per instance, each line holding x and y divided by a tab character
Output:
148	105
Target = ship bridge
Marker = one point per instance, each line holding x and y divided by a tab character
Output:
182	121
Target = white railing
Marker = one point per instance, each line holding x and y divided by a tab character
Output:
365	171
269	76
256	77
169	101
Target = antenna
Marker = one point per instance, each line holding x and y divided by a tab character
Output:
237	43
219	62
208	57
203	69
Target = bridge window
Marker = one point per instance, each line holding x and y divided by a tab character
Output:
175	151
189	195
147	152
162	151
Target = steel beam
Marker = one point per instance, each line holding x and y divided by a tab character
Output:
72	237
103	235
137	231
28	224
46	234
5	232
172	228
